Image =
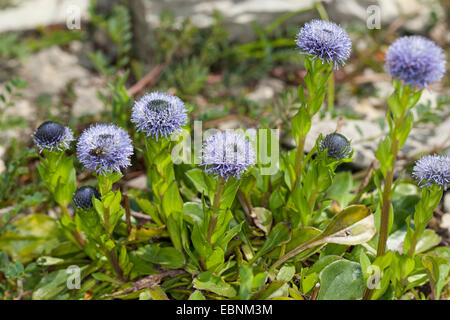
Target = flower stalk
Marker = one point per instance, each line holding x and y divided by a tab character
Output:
401	122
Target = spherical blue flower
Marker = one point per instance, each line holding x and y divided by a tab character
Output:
159	115
82	198
227	154
433	169
53	136
415	60
325	40
337	146
104	148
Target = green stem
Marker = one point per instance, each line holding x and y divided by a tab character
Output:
112	257
307	245
106	218
299	159
330	94
211	227
79	238
216	205
387	197
412	249
219	190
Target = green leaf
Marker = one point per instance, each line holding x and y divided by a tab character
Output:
301	124
143	234
351	226
268	290
197	295
213	283
149	209
341	187
157	293
174	229
89	222
286	273
404	129
437	269
203	183
229	193
111	200
246	281
172	201
395	105
228	235
105	278
168	257
341	280
193	212
383	154
215	259
48	261
31	236
309	282
262	218
300	235
428	240
51	285
280	234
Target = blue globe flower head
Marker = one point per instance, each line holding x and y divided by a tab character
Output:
415	60
82	198
104	148
433	169
227	154
337	146
326	41
159	115
52	135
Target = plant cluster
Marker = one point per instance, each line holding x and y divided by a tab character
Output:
217	227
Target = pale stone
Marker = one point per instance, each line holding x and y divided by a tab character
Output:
26	15
139	182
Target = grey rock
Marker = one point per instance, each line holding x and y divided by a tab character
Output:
49	72
2	162
447	202
364	136
238	15
139	182
266	89
27	15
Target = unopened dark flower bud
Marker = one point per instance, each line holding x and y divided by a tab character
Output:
53	136
82	198
337	146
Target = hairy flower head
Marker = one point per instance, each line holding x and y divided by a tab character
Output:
82	198
159	115
433	169
337	146
415	60
53	136
104	148
325	40
227	154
